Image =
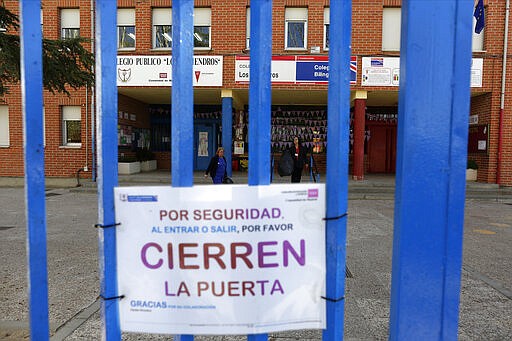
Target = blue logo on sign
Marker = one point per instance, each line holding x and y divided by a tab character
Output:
377	61
142	198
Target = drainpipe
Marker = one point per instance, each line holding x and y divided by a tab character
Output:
502	99
86	168
93	127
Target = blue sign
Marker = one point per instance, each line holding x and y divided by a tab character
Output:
312	71
315	69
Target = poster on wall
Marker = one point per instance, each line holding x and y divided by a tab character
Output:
239	147
380	71
477	68
230	259
124	135
385	71
203	144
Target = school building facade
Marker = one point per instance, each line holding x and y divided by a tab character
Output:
300	69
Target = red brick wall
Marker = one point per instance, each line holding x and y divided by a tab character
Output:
11	163
228	39
487	106
59	161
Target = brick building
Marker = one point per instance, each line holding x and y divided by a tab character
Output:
221	70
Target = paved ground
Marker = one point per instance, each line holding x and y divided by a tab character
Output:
486	296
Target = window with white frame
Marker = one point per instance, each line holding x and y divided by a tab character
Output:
296	28
4	126
202	28
327	21
69	23
162	28
71	125
248	28
126	28
478	39
391	22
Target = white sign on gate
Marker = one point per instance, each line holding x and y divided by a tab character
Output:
221	259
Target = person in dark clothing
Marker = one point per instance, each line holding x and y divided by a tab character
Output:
299	154
217	167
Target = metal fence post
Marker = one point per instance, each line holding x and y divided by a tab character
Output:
431	161
338	127
35	206
182	104
182	101
106	99
260	96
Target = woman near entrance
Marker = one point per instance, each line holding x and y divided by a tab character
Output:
217	167
299	154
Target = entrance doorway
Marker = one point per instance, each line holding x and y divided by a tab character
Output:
382	148
204	147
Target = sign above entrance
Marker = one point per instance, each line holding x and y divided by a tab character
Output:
294	69
157	70
385	71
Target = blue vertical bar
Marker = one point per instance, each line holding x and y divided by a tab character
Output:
260	95
35	208
431	159
338	127
182	124
106	100
260	92
227	130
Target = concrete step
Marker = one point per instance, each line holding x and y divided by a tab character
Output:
366	191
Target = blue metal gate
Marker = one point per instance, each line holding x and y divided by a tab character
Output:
430	182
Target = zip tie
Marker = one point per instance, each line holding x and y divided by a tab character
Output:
106	226
333	299
336	218
111	298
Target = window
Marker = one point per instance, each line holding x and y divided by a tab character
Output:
478	39
327	21
69	23
162	28
202	28
391	22
296	28
4	126
248	28
126	28
71	126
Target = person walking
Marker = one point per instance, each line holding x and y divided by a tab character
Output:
299	154
217	168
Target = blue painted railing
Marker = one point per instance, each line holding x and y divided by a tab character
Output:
430	173
106	101
35	207
434	105
336	178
